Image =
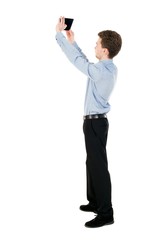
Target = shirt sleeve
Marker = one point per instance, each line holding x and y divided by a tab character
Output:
78	59
77	47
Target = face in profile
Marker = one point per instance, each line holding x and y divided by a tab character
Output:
100	52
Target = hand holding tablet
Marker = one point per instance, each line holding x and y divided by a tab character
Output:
64	24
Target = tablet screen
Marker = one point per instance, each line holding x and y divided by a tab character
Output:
68	22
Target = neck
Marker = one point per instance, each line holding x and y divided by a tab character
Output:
104	58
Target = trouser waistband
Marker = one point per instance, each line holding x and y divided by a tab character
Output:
95	116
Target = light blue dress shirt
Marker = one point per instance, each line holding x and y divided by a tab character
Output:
101	77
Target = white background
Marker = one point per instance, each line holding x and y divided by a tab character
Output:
42	152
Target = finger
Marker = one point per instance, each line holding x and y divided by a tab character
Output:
62	20
71	33
67	33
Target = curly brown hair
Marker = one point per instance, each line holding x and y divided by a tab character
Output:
112	41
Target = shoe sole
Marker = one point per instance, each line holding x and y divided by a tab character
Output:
106	224
88	211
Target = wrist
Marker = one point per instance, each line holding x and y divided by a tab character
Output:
58	30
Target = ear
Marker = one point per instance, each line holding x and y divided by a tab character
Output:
106	51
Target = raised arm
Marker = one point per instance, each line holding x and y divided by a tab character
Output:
74	53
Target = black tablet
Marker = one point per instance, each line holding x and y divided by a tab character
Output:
68	22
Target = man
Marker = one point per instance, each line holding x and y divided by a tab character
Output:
101	80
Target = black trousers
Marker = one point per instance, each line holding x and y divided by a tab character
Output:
98	177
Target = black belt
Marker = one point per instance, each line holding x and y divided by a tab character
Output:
95	116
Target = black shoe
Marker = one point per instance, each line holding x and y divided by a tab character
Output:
99	221
88	208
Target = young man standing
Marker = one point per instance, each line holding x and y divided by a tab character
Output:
101	80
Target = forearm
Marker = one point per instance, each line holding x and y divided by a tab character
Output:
77	58
72	51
